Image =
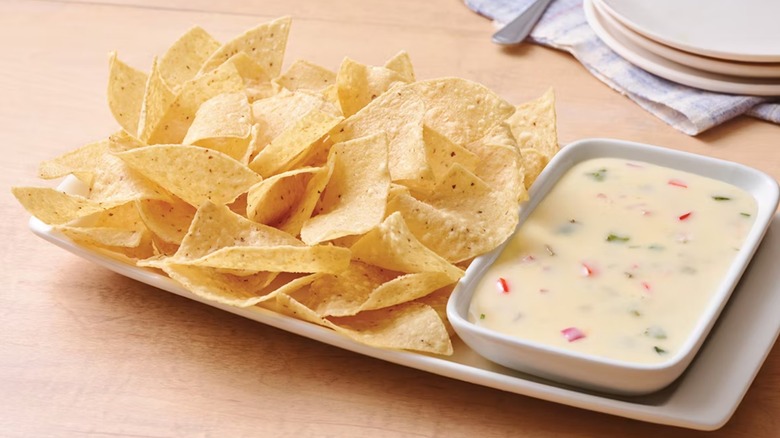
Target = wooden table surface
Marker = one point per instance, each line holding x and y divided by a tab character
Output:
86	352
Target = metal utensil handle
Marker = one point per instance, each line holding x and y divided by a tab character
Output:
521	26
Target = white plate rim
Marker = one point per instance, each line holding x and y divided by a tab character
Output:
685	404
673	71
636	23
713	65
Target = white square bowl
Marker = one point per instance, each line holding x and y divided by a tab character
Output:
597	373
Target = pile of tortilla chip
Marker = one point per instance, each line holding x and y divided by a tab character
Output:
351	199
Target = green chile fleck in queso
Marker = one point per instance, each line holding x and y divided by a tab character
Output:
619	260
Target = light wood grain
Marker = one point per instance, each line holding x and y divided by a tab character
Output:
85	352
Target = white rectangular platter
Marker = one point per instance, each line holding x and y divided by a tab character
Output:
732	356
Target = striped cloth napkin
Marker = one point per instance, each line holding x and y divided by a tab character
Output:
690	110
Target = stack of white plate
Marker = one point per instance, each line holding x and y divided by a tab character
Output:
726	46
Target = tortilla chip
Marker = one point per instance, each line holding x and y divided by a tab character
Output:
276	114
167	220
157	100
498	167
406	288
393	246
101	236
178	117
533	125
533	162
271	201
216	226
278	258
399	113
500	135
410	326
292	145
359	84
126	88
354	199
442	154
307	76
331	95
461	110
462	218
54	207
306	205
82	163
117	183
185	57
222	123
343	293
122	140
401	63
201	174
265	44
257	81
233	290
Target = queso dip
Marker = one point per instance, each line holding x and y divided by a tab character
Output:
619	260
